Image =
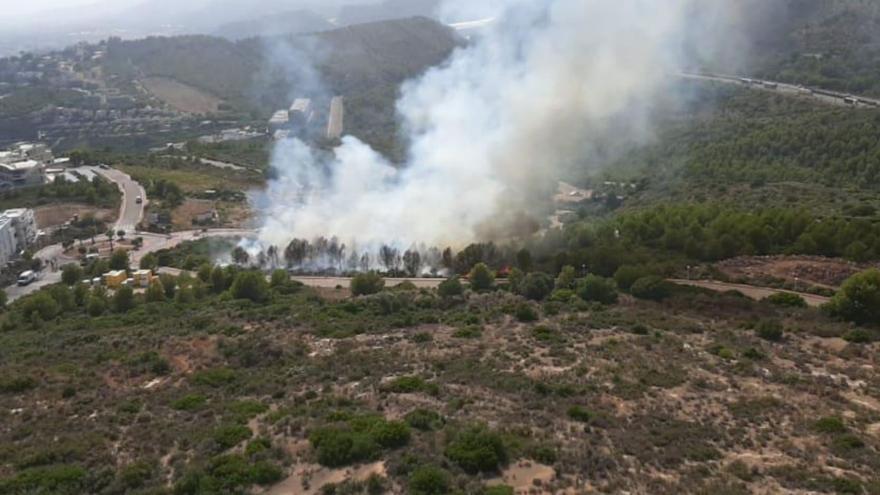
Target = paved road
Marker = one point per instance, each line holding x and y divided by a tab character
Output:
331	282
752	291
818	94
131	212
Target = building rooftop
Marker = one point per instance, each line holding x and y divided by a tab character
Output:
19	166
301	105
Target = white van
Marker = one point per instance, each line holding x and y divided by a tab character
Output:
27	278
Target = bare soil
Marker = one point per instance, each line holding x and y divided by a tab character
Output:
181	96
55	215
814	271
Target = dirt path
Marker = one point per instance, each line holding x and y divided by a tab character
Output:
751	291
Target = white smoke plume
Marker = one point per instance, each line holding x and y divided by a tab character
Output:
490	130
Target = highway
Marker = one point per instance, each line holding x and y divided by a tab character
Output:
818	94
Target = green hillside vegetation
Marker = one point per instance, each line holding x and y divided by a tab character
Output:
204	387
366	63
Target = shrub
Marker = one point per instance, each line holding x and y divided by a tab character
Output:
627	275
250	285
215	377
119	260
410	385
578	413
468	332
72	274
123	300
525	313
155	292
190	402
229	436
857	336
96	306
365	284
42	305
597	289
429	480
859	298
770	330
169	285
562	295
498	490
536	286
651	288
832	425
422	419
477	449
450	287
390	434
567	279
16	384
787	299
548	335
149	262
481	277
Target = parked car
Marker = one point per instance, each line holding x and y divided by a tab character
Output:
27	278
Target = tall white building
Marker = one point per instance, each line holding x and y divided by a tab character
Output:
8	249
18	230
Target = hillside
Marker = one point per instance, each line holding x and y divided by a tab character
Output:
386	9
279	24
834	44
366	63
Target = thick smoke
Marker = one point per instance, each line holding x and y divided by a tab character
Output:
490	131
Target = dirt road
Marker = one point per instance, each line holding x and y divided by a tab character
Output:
751	291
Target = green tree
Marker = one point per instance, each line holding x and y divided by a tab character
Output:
123	300
477	449
280	278
4	298
364	284
96	306
536	286
250	285
155	292
41	304
859	298
169	285
627	275
652	288
149	262
119	260
429	480
598	289
205	272
524	260
567	278
450	287
481	277
218	280
72	274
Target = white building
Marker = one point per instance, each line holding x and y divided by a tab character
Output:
24	165
21	174
18	230
279	120
336	121
8	248
300	112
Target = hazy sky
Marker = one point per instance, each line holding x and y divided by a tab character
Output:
21	10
